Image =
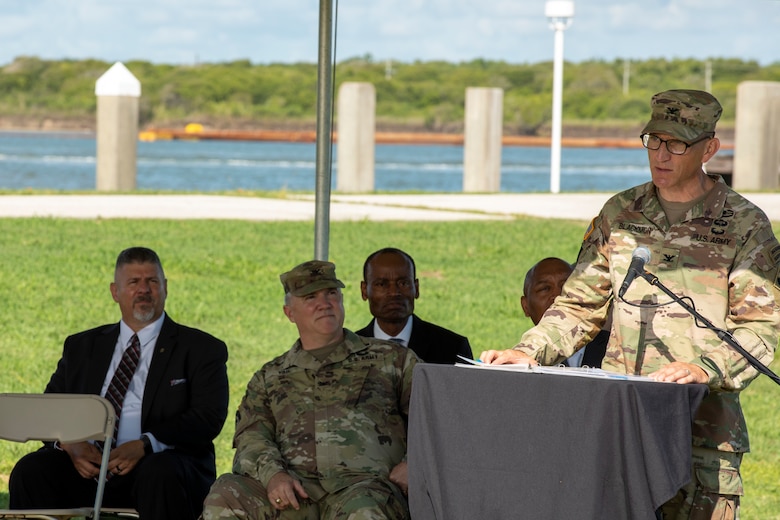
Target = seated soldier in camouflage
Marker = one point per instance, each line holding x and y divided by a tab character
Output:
321	430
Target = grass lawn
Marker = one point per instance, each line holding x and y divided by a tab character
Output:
223	277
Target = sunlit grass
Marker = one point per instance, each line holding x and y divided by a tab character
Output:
223	277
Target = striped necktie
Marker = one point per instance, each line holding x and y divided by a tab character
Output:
122	377
397	340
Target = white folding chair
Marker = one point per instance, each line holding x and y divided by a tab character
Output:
65	418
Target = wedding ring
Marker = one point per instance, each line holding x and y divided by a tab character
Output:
687	372
278	500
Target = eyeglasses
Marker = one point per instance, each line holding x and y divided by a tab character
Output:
673	146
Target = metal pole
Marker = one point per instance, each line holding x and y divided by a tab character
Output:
555	145
324	138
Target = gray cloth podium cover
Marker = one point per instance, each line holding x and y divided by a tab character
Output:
491	444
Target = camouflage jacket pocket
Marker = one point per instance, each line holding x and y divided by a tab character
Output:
723	481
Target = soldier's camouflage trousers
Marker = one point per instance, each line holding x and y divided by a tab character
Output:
713	492
238	497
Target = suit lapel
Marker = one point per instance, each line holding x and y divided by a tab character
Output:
104	346
418	340
163	350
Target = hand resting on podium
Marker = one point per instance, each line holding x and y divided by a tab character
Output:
676	372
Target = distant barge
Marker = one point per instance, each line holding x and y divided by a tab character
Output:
193	132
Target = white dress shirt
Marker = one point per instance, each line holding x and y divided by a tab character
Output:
130	419
404	335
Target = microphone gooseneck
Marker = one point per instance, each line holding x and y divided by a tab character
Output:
639	258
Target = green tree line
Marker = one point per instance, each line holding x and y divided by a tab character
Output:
422	95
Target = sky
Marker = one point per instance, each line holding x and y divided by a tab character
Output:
286	31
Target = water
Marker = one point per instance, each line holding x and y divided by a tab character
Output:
67	162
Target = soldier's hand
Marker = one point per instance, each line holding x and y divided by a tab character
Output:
506	357
682	373
399	476
283	491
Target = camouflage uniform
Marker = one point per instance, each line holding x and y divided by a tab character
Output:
724	256
338	426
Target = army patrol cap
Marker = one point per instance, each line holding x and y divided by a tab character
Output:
310	277
684	114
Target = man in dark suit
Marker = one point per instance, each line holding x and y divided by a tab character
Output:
172	407
390	285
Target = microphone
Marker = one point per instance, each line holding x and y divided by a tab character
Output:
639	258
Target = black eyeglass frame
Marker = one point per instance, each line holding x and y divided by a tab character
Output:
646	142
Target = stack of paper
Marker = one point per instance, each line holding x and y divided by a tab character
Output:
556	370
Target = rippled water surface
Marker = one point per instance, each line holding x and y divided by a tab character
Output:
67	162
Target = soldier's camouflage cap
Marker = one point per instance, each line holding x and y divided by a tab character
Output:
684	114
310	277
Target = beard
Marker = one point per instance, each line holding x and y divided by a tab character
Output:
144	314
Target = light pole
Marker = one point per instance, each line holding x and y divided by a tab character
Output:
559	13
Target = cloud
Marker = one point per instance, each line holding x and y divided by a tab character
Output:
179	31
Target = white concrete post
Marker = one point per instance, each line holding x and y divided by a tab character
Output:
756	136
483	128
774	130
118	93
355	138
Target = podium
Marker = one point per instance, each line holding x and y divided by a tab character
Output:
492	444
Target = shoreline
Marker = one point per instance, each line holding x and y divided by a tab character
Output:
605	133
197	132
304	136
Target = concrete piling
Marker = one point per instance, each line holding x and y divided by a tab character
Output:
118	93
356	141
757	136
483	128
